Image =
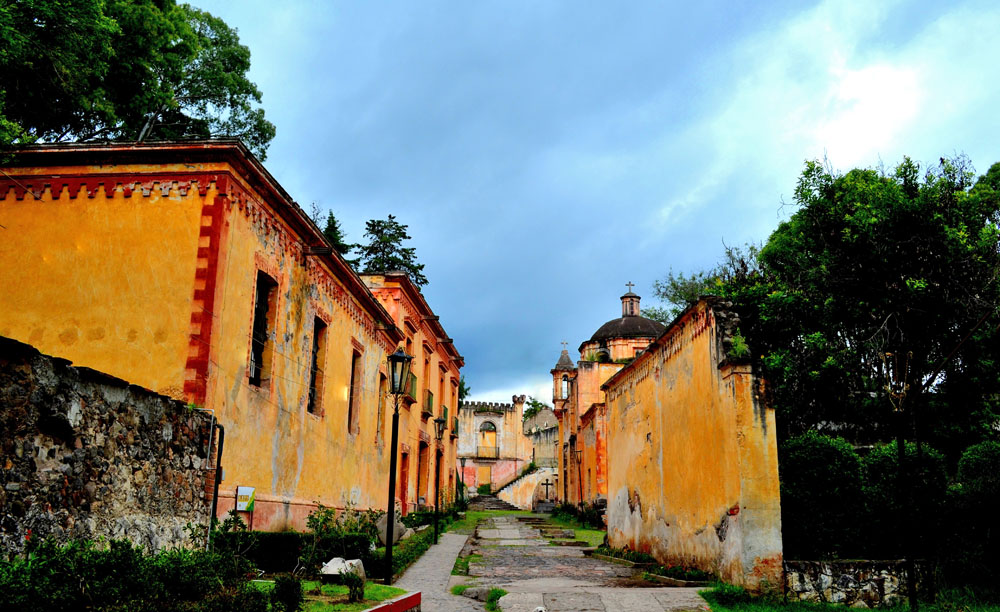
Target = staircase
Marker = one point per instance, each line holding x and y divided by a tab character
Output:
490	502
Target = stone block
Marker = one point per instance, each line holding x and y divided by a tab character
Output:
339	565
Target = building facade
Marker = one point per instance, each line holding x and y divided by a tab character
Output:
433	393
185	268
693	475
579	400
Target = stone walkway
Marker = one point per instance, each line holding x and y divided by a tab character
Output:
516	558
431	573
561	578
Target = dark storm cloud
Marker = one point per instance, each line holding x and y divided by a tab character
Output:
543	154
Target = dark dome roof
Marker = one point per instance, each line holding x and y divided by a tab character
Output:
628	327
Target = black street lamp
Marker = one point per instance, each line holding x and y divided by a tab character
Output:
462	476
399	376
439	434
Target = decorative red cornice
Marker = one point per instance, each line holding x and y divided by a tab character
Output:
279	205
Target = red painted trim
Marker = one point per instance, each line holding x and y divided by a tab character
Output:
206	273
403	603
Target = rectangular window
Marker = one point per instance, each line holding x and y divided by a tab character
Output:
315	405
261	345
353	392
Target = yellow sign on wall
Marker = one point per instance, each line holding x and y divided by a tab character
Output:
245	498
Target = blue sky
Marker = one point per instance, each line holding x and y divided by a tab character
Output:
545	153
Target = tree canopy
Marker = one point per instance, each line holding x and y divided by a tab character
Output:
124	70
882	286
385	251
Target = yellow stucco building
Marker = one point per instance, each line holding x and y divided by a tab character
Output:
185	268
579	400
693	462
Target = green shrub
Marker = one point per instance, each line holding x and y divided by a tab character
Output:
121	577
924	494
355	586
728	595
287	594
821	497
493	599
418	518
979	473
350	534
970	554
628	555
484	489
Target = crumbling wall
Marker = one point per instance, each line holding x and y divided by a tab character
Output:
87	455
858	584
693	467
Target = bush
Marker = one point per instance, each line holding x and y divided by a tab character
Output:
355	586
970	556
484	489
821	497
585	514
418	518
287	594
979	473
926	486
729	594
120	577
350	535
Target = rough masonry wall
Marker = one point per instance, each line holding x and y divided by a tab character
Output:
693	474
87	455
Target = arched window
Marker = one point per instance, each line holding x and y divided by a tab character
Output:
488	426
565	387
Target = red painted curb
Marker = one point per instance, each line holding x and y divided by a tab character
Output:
403	603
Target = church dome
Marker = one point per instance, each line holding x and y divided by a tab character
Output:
631	326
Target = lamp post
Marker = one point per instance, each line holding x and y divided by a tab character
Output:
399	376
439	434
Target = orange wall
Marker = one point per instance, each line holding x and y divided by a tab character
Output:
147	285
61	295
693	472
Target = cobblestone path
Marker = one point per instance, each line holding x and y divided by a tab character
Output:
536	574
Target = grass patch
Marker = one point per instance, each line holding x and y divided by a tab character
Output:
333	597
458	589
474	517
729	598
493	599
593	537
462	564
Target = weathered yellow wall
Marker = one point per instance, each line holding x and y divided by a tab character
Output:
67	290
431	363
293	457
692	458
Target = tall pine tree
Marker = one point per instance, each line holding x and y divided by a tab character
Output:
385	251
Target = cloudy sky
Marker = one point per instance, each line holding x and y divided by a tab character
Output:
545	153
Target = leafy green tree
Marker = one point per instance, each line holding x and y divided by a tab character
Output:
463	389
678	290
534	406
124	70
877	278
385	251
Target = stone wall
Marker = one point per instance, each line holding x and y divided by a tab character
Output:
858	584
87	455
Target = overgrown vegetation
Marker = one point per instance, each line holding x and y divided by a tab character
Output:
493	599
586	515
117	575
